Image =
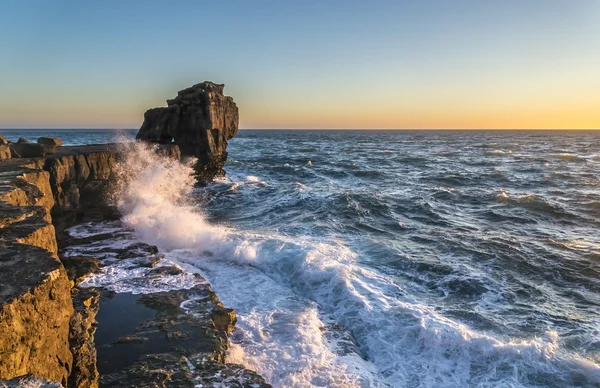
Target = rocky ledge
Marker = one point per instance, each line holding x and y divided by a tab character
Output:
48	322
49	325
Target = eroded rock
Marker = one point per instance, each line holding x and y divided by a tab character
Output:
79	267
35	310
51	141
84	373
200	120
29	150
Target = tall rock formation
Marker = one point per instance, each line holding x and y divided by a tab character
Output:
199	120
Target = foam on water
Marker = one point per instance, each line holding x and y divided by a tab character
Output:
310	314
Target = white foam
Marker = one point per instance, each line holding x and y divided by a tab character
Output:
94	228
286	290
127	276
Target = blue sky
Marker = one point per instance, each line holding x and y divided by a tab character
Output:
305	64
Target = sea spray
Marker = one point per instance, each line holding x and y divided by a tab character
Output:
290	291
152	194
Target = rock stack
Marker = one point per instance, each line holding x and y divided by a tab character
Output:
200	120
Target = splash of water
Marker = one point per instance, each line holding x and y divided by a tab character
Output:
151	193
286	289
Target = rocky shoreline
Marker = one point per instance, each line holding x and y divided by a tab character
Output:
54	330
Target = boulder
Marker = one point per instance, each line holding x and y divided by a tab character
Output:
3	140
25	149
22	140
200	120
50	141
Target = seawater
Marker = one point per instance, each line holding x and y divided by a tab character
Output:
390	259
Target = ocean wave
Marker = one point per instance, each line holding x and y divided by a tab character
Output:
536	203
287	290
567	157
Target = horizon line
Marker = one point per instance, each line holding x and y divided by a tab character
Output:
311	129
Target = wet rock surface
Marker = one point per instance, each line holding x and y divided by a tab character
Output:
58	327
171	338
200	120
29	380
37	311
160	342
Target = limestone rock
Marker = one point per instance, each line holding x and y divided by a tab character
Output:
47	328
5	152
51	141
35	310
200	120
81	337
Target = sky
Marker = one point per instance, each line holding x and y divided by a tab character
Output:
461	64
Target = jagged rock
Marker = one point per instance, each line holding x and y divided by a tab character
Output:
79	267
224	319
3	140
81	338
51	141
171	370
166	270
200	120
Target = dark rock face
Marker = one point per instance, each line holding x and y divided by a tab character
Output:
79	182
158	344
51	141
29	150
200	120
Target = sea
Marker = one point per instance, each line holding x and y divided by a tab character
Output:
384	258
